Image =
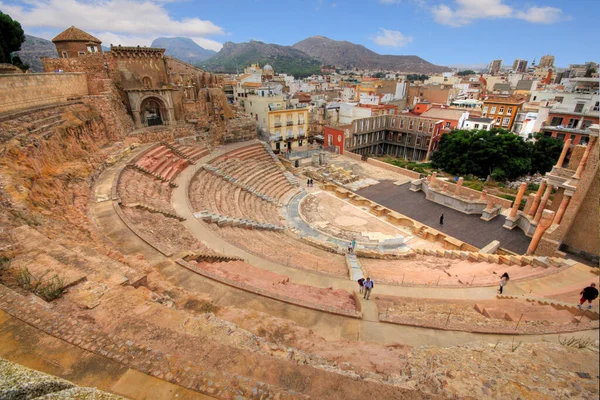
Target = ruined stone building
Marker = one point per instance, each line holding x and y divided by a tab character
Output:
154	89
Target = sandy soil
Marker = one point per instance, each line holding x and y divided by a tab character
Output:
242	272
442	271
367	170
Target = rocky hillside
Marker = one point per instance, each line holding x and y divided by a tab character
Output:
345	54
184	49
33	48
286	59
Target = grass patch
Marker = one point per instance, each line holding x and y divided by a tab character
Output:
578	343
47	288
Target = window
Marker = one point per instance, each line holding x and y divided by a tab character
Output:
572	123
430	127
447	125
556	121
399	138
421	126
393	121
597	106
147	82
329	140
391	136
483	126
427	142
559	99
509	110
498	120
411	124
493	111
402	123
561	136
64	54
81	53
418	142
476	126
586	123
505	121
579	107
485	109
501	110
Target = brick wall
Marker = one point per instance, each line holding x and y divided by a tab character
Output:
393	168
23	91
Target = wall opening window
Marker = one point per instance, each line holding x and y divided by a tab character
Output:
556	121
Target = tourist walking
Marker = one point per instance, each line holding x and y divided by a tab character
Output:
588	294
349	248
311	182
503	282
353	245
442	219
368	285
361	285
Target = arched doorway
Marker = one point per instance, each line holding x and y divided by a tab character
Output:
153	112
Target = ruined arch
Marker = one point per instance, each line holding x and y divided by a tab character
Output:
153	111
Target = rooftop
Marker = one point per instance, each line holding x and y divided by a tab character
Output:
482	120
443	113
73	34
511	99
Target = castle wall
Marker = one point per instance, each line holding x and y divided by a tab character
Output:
23	91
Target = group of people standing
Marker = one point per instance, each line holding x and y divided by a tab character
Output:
365	287
309	182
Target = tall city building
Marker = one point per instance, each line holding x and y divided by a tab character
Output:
546	61
519	65
495	67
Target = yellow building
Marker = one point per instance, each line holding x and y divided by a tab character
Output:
367	87
503	109
288	126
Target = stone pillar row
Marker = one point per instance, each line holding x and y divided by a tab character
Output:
543	204
536	200
517	203
562	208
545	221
584	159
563	154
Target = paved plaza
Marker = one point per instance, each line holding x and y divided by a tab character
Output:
468	228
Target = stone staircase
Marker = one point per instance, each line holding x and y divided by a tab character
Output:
150	208
288	175
244	186
354	267
178	152
475	256
524	312
152	174
592	314
223	220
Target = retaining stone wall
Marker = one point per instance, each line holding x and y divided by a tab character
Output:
24	91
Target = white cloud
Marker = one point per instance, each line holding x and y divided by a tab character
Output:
391	38
541	15
117	21
468	11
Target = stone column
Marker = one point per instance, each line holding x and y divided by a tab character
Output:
562	208
543	203
536	201
445	188
490	205
428	178
459	186
137	119
517	203
563	154
483	195
433	178
545	221
584	159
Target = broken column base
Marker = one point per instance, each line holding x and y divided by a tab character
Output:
488	215
511	223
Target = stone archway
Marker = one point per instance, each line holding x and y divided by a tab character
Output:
153	112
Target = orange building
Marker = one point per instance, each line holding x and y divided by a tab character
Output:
503	109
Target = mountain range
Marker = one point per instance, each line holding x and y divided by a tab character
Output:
183	48
302	59
345	54
32	49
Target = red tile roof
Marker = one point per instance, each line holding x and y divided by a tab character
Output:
75	35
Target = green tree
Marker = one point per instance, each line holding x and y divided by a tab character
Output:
466	72
11	37
498	153
546	151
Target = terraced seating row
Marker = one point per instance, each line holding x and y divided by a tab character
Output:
224	220
191	153
535	261
210	192
288	175
510	310
137	187
163	162
557	305
253	166
284	249
236	182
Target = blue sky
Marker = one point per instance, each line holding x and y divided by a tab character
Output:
445	32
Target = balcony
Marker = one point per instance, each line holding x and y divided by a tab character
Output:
290	137
566	129
301	135
301	122
277	124
290	123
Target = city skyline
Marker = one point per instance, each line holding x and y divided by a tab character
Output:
447	32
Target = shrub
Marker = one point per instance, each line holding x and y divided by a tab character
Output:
498	174
48	289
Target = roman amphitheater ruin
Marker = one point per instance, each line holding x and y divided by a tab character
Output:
152	247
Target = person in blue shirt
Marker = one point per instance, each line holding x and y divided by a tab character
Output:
368	285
